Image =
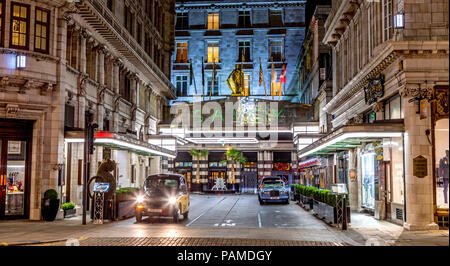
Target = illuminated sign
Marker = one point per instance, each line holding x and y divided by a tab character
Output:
21	61
399	21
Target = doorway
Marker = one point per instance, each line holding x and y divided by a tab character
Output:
15	150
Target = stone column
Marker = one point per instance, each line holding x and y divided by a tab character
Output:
101	65
115	75
83	44
419	191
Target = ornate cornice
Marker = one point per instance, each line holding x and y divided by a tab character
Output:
423	91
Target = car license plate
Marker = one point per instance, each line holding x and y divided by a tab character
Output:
154	210
274	197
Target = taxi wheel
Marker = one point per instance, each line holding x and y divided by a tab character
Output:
138	217
185	215
261	202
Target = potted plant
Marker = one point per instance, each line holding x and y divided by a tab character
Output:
198	155
69	209
50	205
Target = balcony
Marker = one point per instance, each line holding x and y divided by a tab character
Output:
103	21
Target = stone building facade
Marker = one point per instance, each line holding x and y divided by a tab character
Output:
389	107
63	63
264	31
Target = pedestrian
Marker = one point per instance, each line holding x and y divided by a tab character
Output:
443	173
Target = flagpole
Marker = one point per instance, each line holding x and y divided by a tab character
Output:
203	82
262	75
242	71
192	75
213	79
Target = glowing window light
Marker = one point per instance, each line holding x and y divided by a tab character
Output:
399	21
21	61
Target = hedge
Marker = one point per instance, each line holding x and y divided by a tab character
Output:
321	195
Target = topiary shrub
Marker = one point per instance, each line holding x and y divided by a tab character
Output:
50	194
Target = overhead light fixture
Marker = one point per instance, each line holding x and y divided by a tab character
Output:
223	140
21	61
399	21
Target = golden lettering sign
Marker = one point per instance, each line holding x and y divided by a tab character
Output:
420	167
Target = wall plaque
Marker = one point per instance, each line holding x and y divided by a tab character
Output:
420	168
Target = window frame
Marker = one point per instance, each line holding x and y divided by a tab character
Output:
248	57
216	45
244	15
128	15
47	24
218	21
387	107
209	85
185	20
271	42
186	48
27	21
179	79
271	12
388	29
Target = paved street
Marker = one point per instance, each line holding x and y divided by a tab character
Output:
238	219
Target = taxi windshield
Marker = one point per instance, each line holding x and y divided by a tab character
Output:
273	184
161	184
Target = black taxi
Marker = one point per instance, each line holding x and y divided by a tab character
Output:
163	195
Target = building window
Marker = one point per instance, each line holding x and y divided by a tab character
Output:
139	33
213	53
148	44
387	20
275	18
276	51
181	83
393	108
20	21
247	85
244	49
148	8
128	19
182	50
276	88
215	89
213	21
110	5
244	19
182	21
42	28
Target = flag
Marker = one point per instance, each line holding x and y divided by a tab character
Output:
203	74
283	74
261	74
191	73
242	57
273	81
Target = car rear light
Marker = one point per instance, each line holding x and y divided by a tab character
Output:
139	207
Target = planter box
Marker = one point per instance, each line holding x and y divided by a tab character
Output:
69	213
306	202
125	209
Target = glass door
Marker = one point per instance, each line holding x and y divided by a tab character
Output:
13	177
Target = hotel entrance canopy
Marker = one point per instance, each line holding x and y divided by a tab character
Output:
351	136
123	142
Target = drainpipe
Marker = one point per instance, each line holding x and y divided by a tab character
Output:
404	179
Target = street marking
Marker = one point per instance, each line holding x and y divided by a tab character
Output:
259	220
193	221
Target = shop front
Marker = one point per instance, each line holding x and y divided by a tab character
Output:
217	168
182	165
15	167
369	159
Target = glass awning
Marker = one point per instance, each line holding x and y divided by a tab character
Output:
351	136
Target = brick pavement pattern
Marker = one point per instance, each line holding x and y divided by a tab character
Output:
194	241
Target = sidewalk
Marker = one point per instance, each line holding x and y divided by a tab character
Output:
364	230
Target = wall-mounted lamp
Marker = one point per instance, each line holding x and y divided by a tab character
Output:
21	61
399	21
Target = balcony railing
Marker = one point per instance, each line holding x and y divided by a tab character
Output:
123	34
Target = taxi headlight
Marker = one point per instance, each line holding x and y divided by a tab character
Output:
140	199
172	200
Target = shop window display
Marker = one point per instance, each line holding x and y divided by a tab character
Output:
368	160
15	178
442	162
